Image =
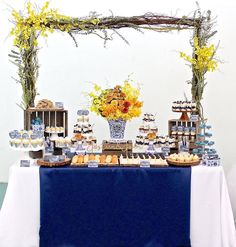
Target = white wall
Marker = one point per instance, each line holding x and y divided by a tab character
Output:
152	58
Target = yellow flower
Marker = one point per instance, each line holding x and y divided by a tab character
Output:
112	103
37	21
203	59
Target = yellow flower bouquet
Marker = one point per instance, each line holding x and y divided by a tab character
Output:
202	61
120	102
117	105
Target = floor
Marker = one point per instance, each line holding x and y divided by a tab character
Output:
3	187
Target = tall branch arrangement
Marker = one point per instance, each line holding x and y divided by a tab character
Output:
203	59
32	23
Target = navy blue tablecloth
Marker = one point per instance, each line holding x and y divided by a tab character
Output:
115	207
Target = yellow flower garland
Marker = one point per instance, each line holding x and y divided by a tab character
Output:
42	22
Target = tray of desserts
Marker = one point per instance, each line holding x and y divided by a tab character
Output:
184	106
139	159
101	160
54	161
183	159
54	130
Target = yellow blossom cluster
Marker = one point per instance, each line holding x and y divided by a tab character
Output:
120	102
203	59
41	22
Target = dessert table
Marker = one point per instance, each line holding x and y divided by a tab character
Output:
211	218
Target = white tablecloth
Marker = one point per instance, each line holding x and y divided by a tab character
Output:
211	219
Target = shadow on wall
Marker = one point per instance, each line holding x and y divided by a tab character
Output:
3	187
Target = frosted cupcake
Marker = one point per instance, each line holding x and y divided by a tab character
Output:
17	143
80	119
67	141
25	143
86	118
39	142
34	143
11	142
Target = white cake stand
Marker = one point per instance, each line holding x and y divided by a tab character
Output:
54	135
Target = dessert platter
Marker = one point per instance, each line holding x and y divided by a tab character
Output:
54	161
83	129
148	139
137	159
101	160
54	131
184	107
183	159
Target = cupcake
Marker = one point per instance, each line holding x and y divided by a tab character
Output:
184	106
25	143
189	106
194	106
67	141
86	118
11	142
34	143
80	119
40	142
174	106
17	143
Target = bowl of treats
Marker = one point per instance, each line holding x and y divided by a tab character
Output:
183	159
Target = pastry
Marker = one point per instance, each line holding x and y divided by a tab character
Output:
195	158
97	158
103	159
86	158
91	157
80	159
114	159
74	159
108	159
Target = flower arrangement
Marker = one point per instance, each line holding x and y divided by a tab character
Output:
202	61
42	22
120	102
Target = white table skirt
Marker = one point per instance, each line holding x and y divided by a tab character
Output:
211	218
